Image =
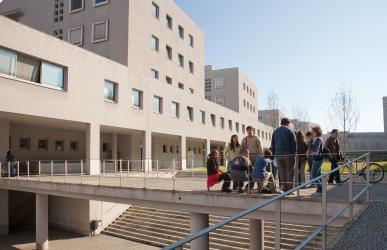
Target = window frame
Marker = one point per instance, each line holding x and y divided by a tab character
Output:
157	7
99	4
190	114
191	66
115	89
169	21
157	43
140	97
169	52
177	105
191	40
69	36
160	109
168	80
181	60
76	10
29	143
45	148
155	74
218	97
181	31
106	32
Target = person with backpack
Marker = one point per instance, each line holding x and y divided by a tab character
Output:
261	173
332	143
317	156
302	149
232	150
214	175
240	170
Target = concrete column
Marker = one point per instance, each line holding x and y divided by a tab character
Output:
92	149
41	221
147	150
114	146
4	212
199	222
183	152
208	150
4	138
257	230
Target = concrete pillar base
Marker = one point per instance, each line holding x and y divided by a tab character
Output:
41	221
199	222
257	230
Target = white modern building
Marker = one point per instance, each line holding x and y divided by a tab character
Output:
270	117
99	80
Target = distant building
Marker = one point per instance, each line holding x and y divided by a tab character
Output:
303	126
271	117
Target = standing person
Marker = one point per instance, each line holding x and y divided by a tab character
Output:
332	143
232	150
309	141
302	149
252	144
10	163
214	174
284	148
317	154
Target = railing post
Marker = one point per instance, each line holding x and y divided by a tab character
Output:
120	172
297	173
39	169
1	170
324	211
65	171
368	196
128	167
100	173
278	225
192	174
157	168
350	192
115	167
52	169
18	170
104	167
145	167
81	171
9	169
28	170
174	174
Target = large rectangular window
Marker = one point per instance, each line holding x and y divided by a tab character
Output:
218	83
230	125
110	91
100	31
157	104
76	36
155	10
136	98
28	68
175	110
208	85
7	62
154	43
52	75
76	5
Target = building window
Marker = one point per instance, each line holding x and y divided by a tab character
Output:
177	149
100	2
28	68
218	83
230	125
190	114
154	74
168	80
74	145
213	120
100	31
247	89
110	91
190	40
175	110
243	128
191	67
244	103
136	98
171	149
157	104
219	100
181	85
76	36
222	122
207	85
105	147
181	32
168	50
181	60
191	90
154	43
253	94
165	149
59	145
237	127
52	75
25	143
7	62
244	86
202	116
76	5
155	10
169	22
43	144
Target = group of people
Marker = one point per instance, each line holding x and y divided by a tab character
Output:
249	161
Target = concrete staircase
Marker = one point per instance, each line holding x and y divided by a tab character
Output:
159	228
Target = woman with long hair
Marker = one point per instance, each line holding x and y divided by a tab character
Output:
232	150
317	156
214	175
302	149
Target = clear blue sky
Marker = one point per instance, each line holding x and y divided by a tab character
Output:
302	49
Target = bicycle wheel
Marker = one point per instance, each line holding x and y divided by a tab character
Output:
344	174
376	173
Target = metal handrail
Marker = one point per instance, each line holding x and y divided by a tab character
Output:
259	205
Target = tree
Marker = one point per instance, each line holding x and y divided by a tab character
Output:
343	112
272	107
300	115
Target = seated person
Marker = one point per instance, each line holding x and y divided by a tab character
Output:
260	172
214	174
239	170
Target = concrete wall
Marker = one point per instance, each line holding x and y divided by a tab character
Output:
4	138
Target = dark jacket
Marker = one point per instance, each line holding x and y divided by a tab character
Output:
334	147
212	167
261	166
302	149
283	141
317	149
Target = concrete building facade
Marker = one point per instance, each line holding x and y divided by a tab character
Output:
270	117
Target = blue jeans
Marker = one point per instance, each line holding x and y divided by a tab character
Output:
316	172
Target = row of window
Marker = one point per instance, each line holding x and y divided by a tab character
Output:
249	106
175	149
31	69
155	45
249	90
58	11
99	33
79	5
219	84
154	74
43	144
169	24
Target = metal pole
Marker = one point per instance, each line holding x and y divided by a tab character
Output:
18	169
9	169
66	171
368	196
174	176
350	192
39	170
115	167
28	170
297	173
81	171
147	166
1	170
104	167
100	173
157	168
192	174
120	173
52	169
324	212
128	167
278	225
